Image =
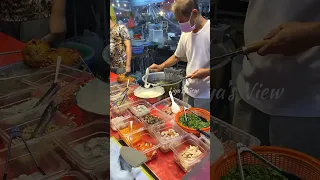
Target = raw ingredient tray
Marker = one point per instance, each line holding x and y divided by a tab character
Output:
18	106
22	163
69	140
59	120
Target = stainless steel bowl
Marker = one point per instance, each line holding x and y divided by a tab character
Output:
160	76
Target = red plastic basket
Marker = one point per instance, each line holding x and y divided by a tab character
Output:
291	161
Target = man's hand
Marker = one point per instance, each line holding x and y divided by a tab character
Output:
291	38
200	74
156	68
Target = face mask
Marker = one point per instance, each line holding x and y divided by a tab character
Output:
186	27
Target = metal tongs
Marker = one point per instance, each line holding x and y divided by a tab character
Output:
124	98
242	148
45	119
54	89
16	133
202	119
221	61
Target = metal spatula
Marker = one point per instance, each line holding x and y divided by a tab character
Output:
221	61
133	157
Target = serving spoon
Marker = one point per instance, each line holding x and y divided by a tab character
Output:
146	84
175	108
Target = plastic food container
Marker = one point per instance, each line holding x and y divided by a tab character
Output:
70	80
18	105
179	146
121	109
165	105
12	84
59	120
136	104
72	175
21	162
101	172
230	135
155	113
200	112
124	127
138	141
69	140
117	121
165	143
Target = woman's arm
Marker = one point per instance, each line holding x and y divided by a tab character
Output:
57	21
127	43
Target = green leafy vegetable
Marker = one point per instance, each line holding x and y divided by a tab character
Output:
254	172
193	121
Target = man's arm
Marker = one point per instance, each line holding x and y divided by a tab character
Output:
170	62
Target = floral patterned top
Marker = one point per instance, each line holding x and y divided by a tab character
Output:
24	10
118	34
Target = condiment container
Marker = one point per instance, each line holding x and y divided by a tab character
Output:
179	146
135	104
165	143
124	130
68	140
142	137
59	120
21	162
156	113
15	105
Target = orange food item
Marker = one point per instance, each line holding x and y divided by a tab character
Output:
143	146
35	53
126	131
123	78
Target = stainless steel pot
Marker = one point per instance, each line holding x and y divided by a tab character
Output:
160	76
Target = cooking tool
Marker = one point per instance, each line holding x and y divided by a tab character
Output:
155	77
185	115
146	84
204	133
220	61
175	108
202	118
45	119
132	156
242	148
16	133
54	88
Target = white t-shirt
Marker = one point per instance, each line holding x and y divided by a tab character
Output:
196	48
275	84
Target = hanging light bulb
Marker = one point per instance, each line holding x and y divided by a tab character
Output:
112	4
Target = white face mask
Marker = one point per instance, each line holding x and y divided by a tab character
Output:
186	27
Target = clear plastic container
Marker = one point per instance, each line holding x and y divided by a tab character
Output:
116	119
71	175
65	73
123	127
165	105
179	146
12	85
138	141
165	143
70	80
134	105
155	113
19	105
101	172
230	135
21	162
68	140
59	120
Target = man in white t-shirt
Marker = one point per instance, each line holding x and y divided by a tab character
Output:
194	44
279	87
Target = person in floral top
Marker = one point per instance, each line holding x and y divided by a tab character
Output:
15	13
120	48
